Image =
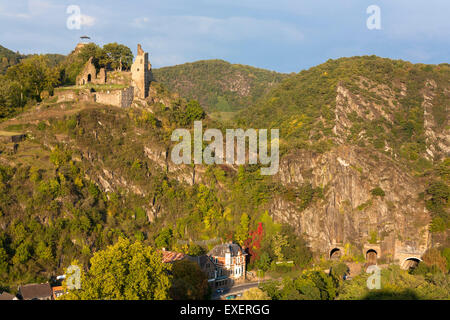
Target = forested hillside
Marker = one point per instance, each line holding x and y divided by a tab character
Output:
218	85
364	160
8	58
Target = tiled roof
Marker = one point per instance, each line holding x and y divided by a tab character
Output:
200	260
35	291
221	249
6	296
170	256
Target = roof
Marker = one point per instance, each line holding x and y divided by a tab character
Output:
170	256
35	291
200	260
221	249
7	296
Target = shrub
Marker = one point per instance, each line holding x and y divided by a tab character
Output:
377	192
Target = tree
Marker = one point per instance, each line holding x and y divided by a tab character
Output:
263	262
243	228
117	56
189	281
125	271
195	250
164	238
10	97
194	111
316	285
3	261
76	61
34	75
433	257
44	252
253	242
23	253
337	272
279	241
92	50
254	294
297	250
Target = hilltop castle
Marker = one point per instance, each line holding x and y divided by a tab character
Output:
120	88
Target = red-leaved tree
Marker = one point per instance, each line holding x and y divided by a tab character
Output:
253	242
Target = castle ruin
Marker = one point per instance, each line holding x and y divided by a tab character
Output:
134	86
141	74
89	74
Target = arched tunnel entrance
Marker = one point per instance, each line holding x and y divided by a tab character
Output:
371	257
410	263
335	254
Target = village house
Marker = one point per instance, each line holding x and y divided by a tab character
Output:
229	260
7	296
34	291
172	256
204	262
57	291
224	265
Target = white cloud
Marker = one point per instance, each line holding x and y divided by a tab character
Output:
87	21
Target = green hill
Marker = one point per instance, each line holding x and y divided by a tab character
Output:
217	84
364	161
8	58
366	101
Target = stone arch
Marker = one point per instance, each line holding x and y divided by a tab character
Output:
89	78
371	257
410	263
335	253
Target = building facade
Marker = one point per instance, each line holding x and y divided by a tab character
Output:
230	262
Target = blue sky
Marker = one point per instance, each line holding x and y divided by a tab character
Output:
281	35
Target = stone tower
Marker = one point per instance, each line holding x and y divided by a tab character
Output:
141	74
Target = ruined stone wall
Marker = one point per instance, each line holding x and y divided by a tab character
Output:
74	95
113	98
119	98
119	77
89	74
127	97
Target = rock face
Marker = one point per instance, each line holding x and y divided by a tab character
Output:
395	225
438	141
349	213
